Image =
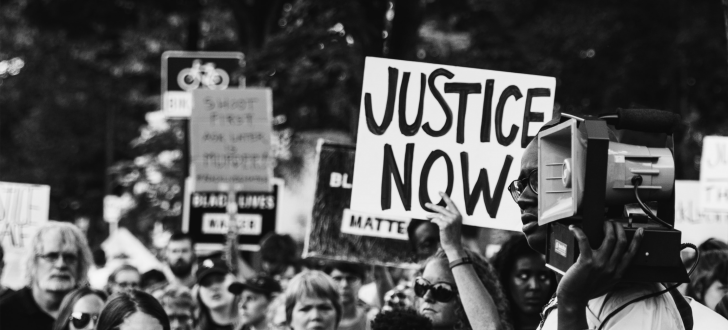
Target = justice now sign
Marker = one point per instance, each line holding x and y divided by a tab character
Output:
426	128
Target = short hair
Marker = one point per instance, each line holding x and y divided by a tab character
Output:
124	267
69	301
405	319
346	267
126	303
312	283
487	275
515	247
70	235
278	248
180	236
412	229
176	296
713	266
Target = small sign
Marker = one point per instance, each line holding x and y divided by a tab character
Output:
183	72
22	206
714	174
362	224
695	223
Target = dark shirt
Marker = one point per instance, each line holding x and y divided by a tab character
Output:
20	311
5	292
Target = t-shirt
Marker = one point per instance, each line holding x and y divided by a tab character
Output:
656	313
20	311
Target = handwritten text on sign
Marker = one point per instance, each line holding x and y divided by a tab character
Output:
230	138
21	205
426	128
714	174
362	224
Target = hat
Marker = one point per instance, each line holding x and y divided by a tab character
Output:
259	284
211	266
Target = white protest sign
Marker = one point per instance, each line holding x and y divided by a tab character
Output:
21	205
426	128
714	174
230	136
695	224
362	224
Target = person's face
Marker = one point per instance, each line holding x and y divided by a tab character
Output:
253	307
313	313
285	277
125	280
528	202
90	305
530	283
427	240
57	265
179	318
140	321
214	293
348	285
714	294
442	314
179	257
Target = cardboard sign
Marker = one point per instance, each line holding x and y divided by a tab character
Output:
257	214
183	72
21	206
230	133
426	128
697	225
714	174
341	234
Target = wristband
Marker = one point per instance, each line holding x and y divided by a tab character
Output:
461	261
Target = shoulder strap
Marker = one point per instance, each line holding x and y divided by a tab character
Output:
686	312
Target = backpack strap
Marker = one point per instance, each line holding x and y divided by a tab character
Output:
683	306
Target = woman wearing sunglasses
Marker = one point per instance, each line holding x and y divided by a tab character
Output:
80	309
458	289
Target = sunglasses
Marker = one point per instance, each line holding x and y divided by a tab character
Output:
81	320
442	292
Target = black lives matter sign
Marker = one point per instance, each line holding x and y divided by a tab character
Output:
256	216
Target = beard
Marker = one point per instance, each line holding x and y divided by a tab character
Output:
56	284
181	268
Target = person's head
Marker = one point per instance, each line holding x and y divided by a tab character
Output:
348	277
60	258
152	280
405	319
312	302
709	283
278	253
179	305
126	277
712	244
528	283
438	296
179	254
255	297
214	278
80	309
276	314
424	238
133	310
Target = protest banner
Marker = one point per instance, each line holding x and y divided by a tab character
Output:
714	174
230	136
696	224
23	208
185	71
257	213
426	128
335	232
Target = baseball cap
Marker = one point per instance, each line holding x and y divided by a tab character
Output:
259	284
209	267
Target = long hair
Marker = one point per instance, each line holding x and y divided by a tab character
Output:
312	283
69	301
713	266
126	303
70	235
487	275
514	248
204	319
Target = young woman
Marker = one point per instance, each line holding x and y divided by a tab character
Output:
133	310
312	302
218	308
80	309
458	289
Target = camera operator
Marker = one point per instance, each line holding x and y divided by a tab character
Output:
591	289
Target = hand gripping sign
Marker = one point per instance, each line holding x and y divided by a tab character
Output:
426	128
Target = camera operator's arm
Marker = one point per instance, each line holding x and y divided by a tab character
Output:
477	302
594	273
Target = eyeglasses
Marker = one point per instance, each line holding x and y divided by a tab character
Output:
81	320
53	257
517	187
442	292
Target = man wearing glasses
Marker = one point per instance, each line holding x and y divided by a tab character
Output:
59	262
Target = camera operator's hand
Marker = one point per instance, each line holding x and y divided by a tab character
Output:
595	271
450	222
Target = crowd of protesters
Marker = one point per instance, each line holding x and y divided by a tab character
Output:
454	288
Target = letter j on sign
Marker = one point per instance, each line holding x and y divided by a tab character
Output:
426	128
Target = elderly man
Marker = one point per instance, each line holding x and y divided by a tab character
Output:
59	262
